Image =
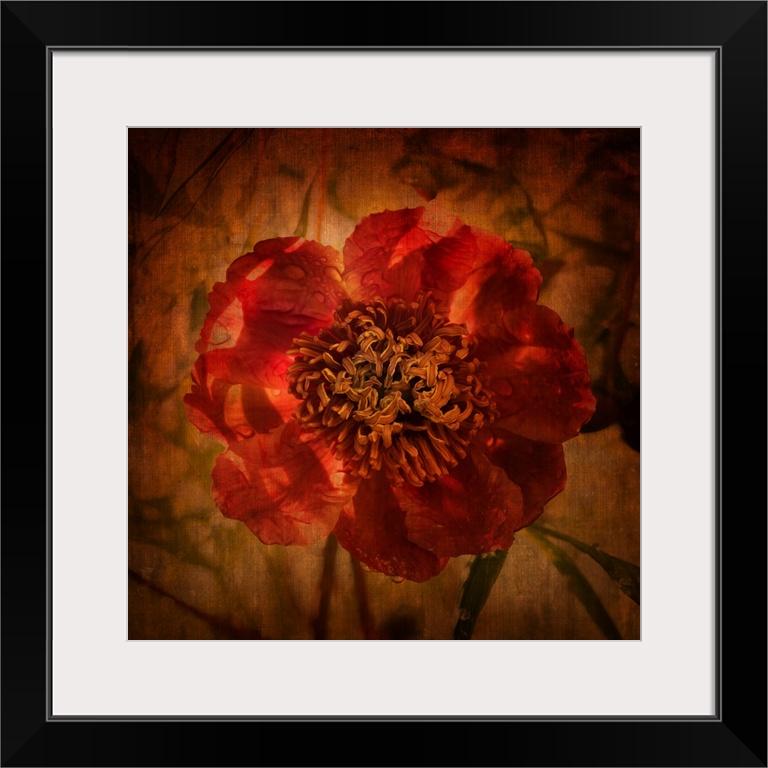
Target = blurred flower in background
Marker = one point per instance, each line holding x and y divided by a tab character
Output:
434	392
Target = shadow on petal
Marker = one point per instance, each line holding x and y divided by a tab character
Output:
538	468
475	509
285	488
286	286
372	529
538	373
231	412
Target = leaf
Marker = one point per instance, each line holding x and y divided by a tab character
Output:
301	227
626	575
184	199
596	253
147	188
483	572
140	392
186	196
198	308
578	585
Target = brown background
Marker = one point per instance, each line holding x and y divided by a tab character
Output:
199	198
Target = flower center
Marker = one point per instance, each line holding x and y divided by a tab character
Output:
391	385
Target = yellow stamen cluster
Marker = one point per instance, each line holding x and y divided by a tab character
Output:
391	385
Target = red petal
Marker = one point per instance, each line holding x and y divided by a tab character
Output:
475	509
284	487
502	279
231	412
538	468
402	252
285	286
538	373
372	529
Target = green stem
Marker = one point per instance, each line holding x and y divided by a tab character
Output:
626	575
366	620
580	545
483	572
320	624
577	584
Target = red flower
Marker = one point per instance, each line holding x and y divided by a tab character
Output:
410	397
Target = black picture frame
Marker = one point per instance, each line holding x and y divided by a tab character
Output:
736	736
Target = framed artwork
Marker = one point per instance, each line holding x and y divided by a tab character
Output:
384	380
305	230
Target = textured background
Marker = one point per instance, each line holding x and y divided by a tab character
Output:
199	198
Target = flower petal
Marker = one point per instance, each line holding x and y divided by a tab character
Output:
283	287
402	252
503	278
372	530
538	374
286	488
231	412
474	509
538	468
